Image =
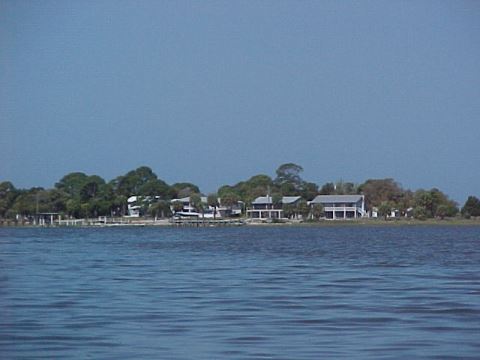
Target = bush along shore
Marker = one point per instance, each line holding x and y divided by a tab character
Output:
140	197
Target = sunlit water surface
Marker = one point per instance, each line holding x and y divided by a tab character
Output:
240	293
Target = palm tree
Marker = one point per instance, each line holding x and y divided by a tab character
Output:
289	210
212	200
161	208
317	211
177	206
384	209
303	209
196	202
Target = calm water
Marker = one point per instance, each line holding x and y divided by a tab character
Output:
240	293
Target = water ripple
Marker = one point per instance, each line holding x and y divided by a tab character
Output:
240	293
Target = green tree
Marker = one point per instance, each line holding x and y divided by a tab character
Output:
405	202
258	185
377	191
98	197
289	210
328	189
420	212
25	204
289	173
229	200
226	190
101	207
317	211
277	201
288	189
197	203
442	211
430	200
471	207
57	200
133	182
74	208
345	188
303	209
309	190
119	204
212	201
423	199
91	188
185	189
8	193
160	209
85	210
72	183
154	187
289	182
447	209
260	180
80	195
30	202
177	206
385	209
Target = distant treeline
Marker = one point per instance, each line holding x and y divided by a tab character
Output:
78	195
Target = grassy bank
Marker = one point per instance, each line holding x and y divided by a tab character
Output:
382	222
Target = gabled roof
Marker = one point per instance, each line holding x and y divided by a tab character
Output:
134	198
187	199
290	199
268	200
183	200
262	200
322	199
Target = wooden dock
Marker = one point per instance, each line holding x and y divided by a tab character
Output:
104	221
206	222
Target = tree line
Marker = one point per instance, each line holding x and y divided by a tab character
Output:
78	195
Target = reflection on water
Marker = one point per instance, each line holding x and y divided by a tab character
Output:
240	293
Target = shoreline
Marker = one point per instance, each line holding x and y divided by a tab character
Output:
378	222
245	222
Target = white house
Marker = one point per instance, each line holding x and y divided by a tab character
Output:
341	206
133	206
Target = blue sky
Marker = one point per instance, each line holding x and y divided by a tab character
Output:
215	92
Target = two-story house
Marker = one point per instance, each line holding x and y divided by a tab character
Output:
341	206
263	207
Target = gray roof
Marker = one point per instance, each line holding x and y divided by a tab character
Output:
262	200
183	200
268	200
290	199
322	199
187	199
